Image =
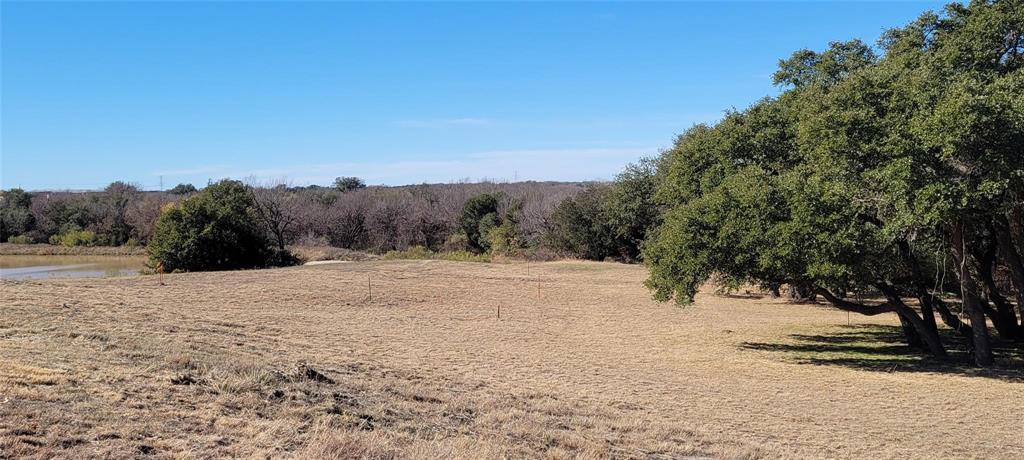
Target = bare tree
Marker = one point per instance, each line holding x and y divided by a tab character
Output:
279	209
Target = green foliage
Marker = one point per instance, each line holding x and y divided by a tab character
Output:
820	186
61	216
183	189
631	208
74	238
609	220
422	253
505	239
806	67
214	230
347	184
463	256
480	216
15	213
113	226
20	239
580	225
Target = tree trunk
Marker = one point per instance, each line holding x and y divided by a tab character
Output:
910	334
972	301
1003	316
1008	251
951	320
929	336
801	294
920	288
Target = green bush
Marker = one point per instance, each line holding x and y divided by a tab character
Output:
215	229
74	238
608	221
20	239
580	226
505	239
479	216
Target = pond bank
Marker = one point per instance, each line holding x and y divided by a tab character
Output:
9	249
22	267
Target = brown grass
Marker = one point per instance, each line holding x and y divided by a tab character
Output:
297	362
324	253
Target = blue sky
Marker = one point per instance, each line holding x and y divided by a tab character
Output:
393	93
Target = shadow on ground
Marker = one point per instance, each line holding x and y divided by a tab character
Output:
881	348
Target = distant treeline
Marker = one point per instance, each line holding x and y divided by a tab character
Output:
523	218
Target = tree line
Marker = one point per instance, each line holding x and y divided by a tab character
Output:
508	218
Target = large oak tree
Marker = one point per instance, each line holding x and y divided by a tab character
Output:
874	172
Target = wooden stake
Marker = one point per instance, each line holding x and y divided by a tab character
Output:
160	272
369	287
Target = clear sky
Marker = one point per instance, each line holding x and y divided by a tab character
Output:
393	93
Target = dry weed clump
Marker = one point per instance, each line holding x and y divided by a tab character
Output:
327	253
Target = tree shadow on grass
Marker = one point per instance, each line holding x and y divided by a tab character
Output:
881	348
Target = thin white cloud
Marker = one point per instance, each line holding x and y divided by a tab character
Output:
443	122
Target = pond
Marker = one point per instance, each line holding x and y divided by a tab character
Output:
43	267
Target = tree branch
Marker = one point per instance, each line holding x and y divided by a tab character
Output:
846	305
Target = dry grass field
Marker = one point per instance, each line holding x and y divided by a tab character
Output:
299	362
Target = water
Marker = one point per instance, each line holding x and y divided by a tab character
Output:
43	267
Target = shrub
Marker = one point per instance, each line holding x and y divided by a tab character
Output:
505	239
74	238
214	230
20	239
580	226
479	216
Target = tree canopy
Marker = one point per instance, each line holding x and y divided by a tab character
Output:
873	172
347	184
